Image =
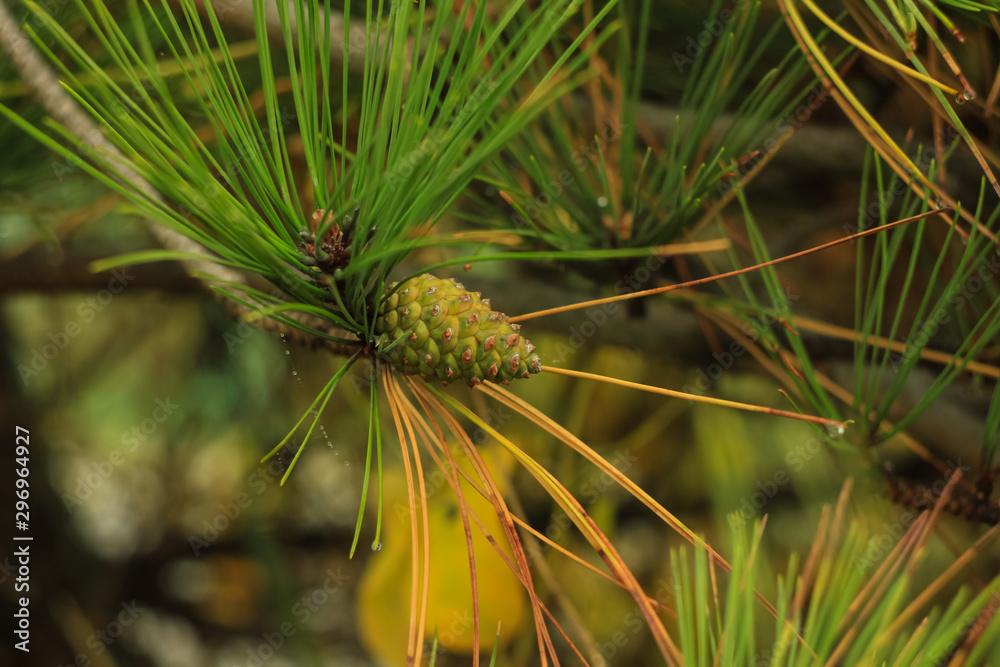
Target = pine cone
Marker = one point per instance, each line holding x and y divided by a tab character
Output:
446	332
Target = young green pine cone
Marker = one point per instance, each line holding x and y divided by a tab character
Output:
446	332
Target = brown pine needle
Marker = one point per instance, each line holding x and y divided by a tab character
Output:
598	540
451	475
696	397
874	591
430	398
532	413
937	585
518	404
415	639
844	333
691	247
943	500
808	576
578	560
479	236
728	274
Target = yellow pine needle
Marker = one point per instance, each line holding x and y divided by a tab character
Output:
480	236
523	407
817	58
431	403
464	511
917	638
720	276
862	121
526	409
418	593
748	407
541	564
691	247
932	35
598	540
875	53
555	586
432	398
578	560
844	333
935	587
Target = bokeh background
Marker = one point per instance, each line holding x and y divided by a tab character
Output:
160	539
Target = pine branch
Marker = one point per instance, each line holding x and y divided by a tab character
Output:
53	98
62	108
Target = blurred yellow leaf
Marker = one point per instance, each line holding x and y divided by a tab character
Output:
384	592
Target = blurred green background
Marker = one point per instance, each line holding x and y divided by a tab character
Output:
159	538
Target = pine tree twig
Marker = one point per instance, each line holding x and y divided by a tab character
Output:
63	109
664	328
293	335
50	94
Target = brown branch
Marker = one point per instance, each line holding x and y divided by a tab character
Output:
665	329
